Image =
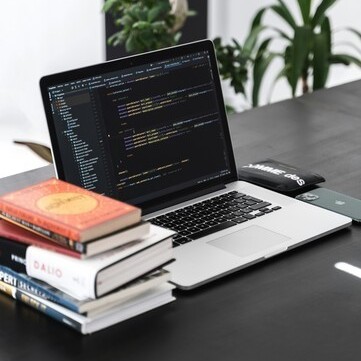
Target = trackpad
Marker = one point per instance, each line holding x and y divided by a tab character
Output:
249	240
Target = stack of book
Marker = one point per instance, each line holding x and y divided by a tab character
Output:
84	259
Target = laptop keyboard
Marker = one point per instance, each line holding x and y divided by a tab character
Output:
212	215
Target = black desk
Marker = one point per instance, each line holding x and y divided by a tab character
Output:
293	307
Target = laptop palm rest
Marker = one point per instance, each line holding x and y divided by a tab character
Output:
249	241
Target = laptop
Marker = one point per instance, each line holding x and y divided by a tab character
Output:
151	130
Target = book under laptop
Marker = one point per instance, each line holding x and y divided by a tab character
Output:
151	130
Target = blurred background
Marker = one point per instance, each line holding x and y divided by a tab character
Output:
39	37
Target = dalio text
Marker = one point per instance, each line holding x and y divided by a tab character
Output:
278	172
53	271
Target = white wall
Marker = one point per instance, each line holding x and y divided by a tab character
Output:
39	37
232	18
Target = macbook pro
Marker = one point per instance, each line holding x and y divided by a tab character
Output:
151	130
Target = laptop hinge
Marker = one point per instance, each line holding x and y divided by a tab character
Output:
182	199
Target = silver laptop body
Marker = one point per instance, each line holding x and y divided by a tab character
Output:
234	248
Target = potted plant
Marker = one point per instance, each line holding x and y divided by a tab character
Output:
307	49
146	25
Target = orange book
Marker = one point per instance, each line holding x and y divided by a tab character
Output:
65	213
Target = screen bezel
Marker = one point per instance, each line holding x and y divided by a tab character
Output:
135	60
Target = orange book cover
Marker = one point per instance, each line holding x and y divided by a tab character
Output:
66	210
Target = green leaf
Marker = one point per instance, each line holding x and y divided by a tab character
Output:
305	7
321	12
287	59
344	59
251	41
141	25
263	47
320	60
158	11
126	20
321	53
130	44
108	4
326	29
257	20
261	65
284	13
281	33
299	54
230	109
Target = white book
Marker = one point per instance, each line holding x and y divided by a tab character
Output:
96	276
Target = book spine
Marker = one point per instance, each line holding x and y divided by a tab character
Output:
44	232
13	255
68	274
39	306
8	210
27	284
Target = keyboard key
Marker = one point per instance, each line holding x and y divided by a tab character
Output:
178	228
183	240
259	214
276	208
193	229
170	225
157	223
208	218
238	195
239	220
187	219
255	200
250	203
230	216
249	216
249	198
188	225
217	228
211	223
217	215
234	208
259	205
242	206
198	223
223	206
175	244
162	218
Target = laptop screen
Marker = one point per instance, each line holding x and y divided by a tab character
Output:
143	130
